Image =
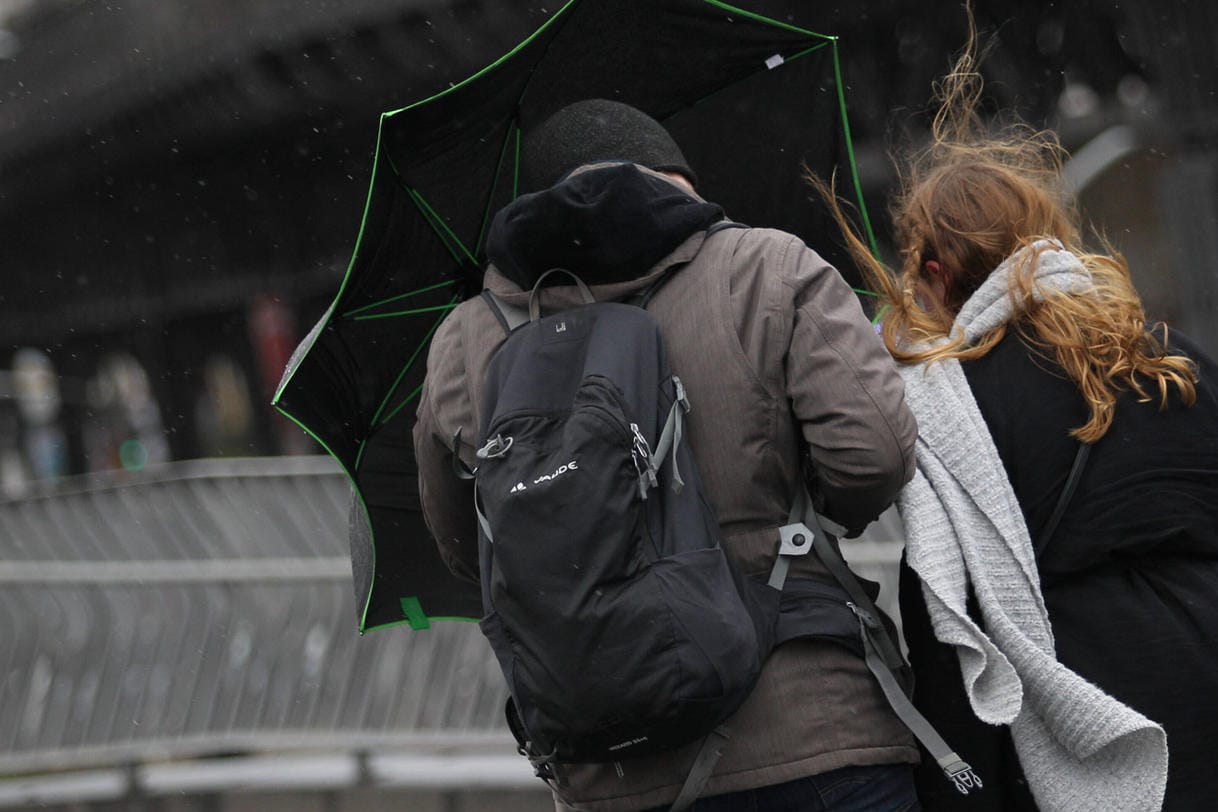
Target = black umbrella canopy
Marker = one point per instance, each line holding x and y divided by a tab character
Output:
750	100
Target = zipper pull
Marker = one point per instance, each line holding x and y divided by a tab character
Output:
640	453
495	447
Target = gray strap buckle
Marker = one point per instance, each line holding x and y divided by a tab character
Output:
796	541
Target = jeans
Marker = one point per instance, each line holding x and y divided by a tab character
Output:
883	788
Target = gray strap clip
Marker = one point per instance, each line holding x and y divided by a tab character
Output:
796	541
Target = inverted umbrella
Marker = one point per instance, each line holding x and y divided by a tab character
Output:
750	99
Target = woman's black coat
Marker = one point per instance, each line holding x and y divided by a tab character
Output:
1130	577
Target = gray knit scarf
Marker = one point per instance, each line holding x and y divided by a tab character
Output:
1079	748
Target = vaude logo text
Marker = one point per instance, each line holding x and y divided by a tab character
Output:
567	467
628	743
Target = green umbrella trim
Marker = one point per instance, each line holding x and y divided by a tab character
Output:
363	506
414	613
320	441
407	622
342	288
523	44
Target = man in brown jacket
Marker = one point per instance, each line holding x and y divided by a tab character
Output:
778	360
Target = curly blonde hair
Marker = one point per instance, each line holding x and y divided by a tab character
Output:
970	199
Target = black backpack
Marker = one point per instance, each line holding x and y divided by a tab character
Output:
620	625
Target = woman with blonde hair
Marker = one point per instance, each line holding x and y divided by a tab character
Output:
1060	582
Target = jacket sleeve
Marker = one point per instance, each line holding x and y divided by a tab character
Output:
847	396
444	407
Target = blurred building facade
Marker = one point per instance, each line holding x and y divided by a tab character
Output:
180	187
181	183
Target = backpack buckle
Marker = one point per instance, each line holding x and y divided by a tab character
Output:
961	775
545	766
796	539
681	397
866	618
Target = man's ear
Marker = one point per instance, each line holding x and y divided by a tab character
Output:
681	180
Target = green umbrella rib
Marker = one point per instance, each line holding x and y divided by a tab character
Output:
807	51
513	129
854	169
516	167
449	238
402	405
359	311
395	313
376	417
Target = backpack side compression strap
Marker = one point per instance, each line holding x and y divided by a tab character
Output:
955	768
883	658
700	772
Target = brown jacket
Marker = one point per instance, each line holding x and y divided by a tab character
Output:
776	355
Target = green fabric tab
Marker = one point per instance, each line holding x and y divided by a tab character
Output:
413	611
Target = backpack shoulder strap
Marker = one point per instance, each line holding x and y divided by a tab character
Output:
643	298
512	316
720	225
509	316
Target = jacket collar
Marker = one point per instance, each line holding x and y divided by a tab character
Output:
568	296
613	224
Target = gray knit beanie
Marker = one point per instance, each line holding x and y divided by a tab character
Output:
597	130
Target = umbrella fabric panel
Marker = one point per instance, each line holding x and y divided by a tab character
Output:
455	154
402	578
792	120
658	55
457	150
354	386
365	359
